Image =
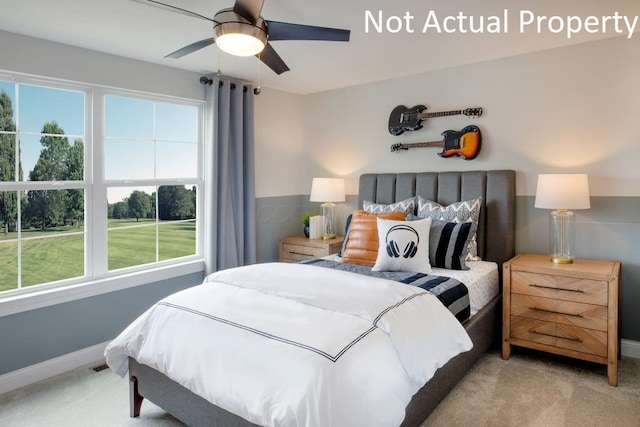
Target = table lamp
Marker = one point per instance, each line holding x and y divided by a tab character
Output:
328	191
562	192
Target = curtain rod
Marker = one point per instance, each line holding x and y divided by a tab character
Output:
207	81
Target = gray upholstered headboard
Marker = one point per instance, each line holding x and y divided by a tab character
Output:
496	228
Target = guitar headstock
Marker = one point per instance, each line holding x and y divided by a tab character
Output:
472	112
398	147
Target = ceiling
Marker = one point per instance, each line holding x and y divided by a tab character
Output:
134	30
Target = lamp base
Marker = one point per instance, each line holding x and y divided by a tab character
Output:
328	236
561	260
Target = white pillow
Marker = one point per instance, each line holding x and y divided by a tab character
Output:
403	246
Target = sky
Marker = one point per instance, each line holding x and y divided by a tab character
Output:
132	126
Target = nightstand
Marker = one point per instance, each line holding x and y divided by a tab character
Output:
567	309
297	248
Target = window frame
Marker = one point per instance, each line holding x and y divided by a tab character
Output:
97	278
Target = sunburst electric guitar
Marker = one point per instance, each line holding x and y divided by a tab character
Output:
403	119
465	143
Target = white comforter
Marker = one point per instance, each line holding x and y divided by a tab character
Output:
296	345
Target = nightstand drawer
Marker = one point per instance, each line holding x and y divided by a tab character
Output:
560	287
560	311
300	252
557	335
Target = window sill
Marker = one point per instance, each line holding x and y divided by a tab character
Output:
52	296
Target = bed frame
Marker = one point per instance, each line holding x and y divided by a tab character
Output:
496	242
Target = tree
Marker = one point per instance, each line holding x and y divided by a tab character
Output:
49	206
139	204
75	172
8	200
120	210
175	202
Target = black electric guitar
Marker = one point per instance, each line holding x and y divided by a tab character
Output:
403	118
465	143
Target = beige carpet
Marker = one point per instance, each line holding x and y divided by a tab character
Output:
530	389
537	389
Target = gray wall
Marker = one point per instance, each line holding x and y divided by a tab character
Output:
38	335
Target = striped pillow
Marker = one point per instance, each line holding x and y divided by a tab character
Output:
449	243
468	210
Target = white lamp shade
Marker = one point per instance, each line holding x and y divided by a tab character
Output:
327	190
562	191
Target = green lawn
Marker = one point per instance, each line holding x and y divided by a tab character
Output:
58	257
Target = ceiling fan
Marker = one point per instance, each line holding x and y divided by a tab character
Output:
241	31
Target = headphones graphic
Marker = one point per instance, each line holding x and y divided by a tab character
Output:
410	248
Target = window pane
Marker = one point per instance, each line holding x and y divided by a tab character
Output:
176	211
40	105
131	226
177	239
8	240
177	160
7	157
52	238
53	211
55	257
9	260
7	104
51	158
127	159
8	215
176	122
128	118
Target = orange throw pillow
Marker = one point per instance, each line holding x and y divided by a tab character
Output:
362	241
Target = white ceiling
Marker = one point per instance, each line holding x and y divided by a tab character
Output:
134	30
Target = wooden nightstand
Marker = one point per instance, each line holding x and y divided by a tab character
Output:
567	309
297	248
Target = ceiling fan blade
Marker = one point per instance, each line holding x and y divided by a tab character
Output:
287	31
250	9
271	58
191	48
172	8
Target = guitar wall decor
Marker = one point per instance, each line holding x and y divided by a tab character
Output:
404	119
465	143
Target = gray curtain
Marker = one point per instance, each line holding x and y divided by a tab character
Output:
229	172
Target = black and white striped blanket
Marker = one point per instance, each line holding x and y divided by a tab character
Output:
451	292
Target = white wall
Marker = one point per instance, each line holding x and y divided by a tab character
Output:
278	143
570	109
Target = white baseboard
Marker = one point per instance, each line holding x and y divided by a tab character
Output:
50	368
630	348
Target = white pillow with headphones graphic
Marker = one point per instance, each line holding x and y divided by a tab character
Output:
404	246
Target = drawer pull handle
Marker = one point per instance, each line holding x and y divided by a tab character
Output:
555	312
299	253
533	285
533	331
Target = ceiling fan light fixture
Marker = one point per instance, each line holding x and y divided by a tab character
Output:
238	36
240	44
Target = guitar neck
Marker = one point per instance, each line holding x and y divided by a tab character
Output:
426	115
423	144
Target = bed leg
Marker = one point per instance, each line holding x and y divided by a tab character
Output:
135	400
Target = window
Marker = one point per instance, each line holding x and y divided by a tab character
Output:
78	205
151	167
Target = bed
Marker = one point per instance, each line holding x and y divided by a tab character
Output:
495	242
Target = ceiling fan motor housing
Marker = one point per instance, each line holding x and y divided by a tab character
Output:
230	25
